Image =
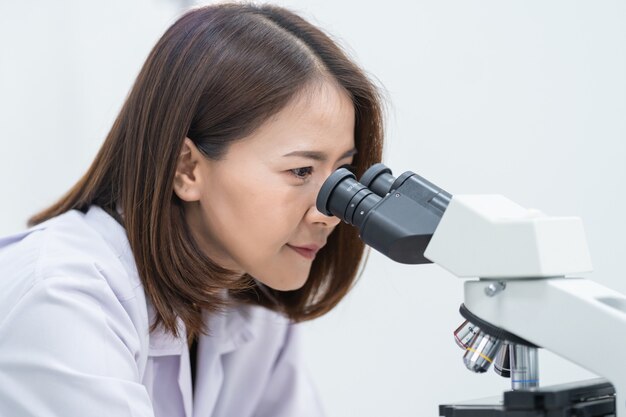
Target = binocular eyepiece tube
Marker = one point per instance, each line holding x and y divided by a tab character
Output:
395	216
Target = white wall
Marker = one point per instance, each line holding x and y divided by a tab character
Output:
522	98
65	69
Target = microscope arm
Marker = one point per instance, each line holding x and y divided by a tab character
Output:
530	253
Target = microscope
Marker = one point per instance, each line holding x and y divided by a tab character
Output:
520	262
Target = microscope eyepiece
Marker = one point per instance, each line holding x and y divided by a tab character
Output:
343	196
379	179
323	200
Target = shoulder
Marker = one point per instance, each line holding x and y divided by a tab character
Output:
73	256
88	245
67	309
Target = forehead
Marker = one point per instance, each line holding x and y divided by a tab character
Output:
320	118
323	100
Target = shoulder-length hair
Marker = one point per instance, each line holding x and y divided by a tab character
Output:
216	75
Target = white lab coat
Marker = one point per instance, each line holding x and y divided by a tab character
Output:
75	342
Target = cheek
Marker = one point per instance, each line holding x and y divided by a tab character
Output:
275	207
252	217
255	226
257	221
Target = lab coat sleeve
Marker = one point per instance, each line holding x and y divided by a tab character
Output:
289	391
68	349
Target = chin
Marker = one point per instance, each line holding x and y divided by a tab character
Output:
288	284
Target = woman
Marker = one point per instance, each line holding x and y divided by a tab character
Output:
167	281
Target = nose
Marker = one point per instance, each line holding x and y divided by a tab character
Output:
314	216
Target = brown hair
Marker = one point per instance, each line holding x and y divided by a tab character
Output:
218	73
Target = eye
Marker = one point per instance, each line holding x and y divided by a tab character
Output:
302	173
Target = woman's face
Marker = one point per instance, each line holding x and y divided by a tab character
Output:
254	211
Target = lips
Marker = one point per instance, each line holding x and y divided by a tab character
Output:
307	251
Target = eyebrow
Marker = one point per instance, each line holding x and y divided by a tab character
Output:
320	156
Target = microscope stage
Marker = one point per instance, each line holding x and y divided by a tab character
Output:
590	398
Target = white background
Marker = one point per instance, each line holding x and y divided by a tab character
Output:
521	98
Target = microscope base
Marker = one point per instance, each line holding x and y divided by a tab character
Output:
590	398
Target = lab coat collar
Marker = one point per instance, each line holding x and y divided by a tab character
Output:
163	342
228	331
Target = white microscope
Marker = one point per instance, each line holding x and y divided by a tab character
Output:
523	260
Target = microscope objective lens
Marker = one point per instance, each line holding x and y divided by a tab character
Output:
481	352
524	367
464	334
502	364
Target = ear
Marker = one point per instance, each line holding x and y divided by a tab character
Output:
187	179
